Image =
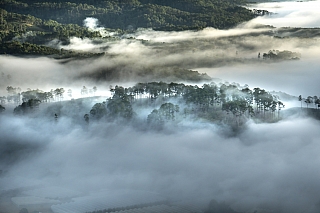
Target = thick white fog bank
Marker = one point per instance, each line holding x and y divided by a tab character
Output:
30	71
47	73
294	77
271	166
207	33
34	72
289	14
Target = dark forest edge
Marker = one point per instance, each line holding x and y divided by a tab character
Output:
156	14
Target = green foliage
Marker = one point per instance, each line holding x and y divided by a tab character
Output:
24	34
119	108
27	107
36	94
165	113
98	111
225	103
25	25
158	14
16	47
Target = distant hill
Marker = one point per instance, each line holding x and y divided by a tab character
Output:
27	25
128	14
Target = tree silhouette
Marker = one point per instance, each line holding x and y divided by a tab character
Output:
119	105
84	91
280	106
2	108
317	102
155	120
98	111
300	99
94	90
70	93
27	106
14	94
3	99
86	118
59	93
309	100
315	99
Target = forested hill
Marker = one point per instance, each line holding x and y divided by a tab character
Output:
130	14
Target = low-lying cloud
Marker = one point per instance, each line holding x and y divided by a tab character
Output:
289	14
267	166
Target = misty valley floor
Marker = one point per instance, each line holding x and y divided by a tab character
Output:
260	169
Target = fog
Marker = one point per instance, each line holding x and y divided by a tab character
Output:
267	166
296	78
290	14
263	167
233	59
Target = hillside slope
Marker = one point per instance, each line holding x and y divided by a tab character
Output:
127	14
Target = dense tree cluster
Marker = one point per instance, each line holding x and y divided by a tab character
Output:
166	113
27	106
26	35
226	103
158	14
27	28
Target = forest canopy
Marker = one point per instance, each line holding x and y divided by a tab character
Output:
26	26
126	14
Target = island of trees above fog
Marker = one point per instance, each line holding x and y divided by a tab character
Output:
155	103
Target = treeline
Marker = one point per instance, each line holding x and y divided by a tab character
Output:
30	100
225	103
26	49
171	102
124	14
309	100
